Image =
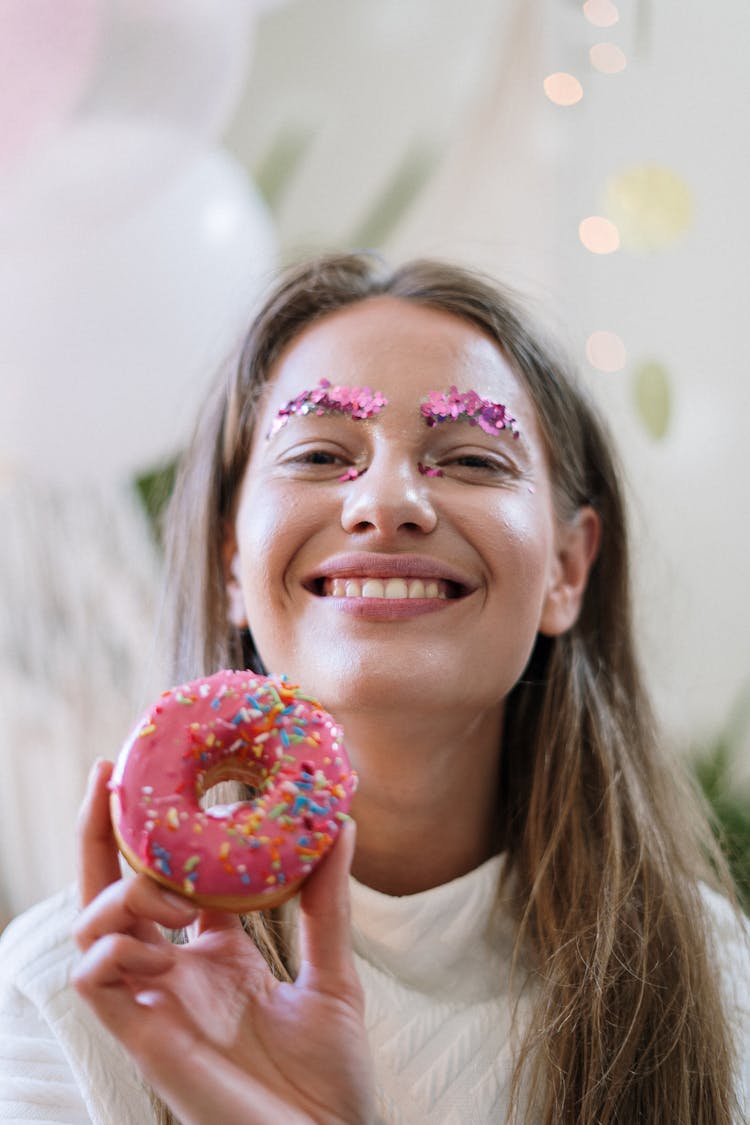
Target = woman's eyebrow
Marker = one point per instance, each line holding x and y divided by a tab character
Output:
468	406
327	398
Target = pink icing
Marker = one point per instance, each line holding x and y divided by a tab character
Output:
233	725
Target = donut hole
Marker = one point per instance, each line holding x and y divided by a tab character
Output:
225	786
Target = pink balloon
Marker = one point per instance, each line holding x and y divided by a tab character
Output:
47	52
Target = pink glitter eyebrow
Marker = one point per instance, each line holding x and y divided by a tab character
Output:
325	398
469	406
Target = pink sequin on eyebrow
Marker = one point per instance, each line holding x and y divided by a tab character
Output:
325	398
468	406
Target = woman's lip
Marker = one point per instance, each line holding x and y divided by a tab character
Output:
388	609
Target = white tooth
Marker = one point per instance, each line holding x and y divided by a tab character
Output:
416	588
353	588
372	588
396	588
337	588
431	590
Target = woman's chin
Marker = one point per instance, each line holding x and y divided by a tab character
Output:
362	685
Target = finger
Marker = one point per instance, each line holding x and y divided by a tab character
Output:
210	920
213	1088
193	1078
122	987
132	906
98	865
325	939
117	959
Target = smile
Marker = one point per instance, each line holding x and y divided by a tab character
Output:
375	585
393	588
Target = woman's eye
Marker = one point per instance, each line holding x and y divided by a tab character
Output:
477	468
474	461
477	463
318	457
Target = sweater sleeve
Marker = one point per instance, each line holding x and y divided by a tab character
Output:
36	1081
57	1063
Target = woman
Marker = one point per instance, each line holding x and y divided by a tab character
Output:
457	595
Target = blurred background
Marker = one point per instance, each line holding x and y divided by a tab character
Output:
160	159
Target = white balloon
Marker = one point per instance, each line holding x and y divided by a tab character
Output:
106	347
182	62
88	177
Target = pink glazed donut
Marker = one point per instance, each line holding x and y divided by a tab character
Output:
240	726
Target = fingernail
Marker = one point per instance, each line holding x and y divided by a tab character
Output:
349	829
149	998
96	768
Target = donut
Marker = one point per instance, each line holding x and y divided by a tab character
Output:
262	731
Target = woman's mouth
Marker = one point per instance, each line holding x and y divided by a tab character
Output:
367	583
396	587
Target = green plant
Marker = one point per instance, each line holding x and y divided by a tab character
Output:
154	489
729	801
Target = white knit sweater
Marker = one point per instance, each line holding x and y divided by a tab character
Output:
435	971
434	967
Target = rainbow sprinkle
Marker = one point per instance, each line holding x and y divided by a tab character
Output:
262	735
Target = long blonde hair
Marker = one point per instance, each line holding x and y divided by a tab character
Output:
605	846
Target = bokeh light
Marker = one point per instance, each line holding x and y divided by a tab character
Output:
563	89
599	235
606	352
651	205
602	13
607	58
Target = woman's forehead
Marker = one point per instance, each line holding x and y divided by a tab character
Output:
398	350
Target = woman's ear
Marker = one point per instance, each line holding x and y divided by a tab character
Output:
236	611
577	547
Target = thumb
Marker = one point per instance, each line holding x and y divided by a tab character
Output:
325	939
98	865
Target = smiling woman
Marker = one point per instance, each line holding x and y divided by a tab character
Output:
399	498
483	535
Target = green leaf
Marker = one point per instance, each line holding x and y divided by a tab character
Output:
652	398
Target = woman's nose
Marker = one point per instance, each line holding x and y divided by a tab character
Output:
388	498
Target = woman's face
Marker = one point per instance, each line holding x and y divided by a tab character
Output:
384	559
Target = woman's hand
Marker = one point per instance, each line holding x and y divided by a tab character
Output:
214	1033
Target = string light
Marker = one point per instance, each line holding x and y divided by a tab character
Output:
563	89
607	58
602	13
606	352
599	235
